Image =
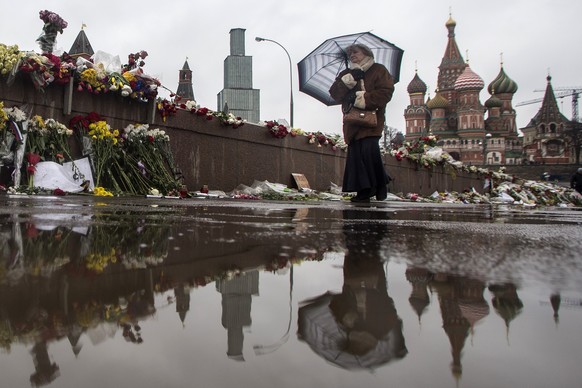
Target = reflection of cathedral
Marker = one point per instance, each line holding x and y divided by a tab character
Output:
462	305
506	302
419	297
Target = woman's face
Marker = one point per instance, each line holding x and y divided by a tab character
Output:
356	56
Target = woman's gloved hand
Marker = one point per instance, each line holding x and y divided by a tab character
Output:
349	81
360	101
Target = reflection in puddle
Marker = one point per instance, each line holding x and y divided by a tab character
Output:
301	292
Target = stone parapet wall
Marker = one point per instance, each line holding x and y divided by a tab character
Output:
556	172
222	157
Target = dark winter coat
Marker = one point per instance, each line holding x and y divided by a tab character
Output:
379	86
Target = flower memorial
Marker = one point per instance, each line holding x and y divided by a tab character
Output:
105	149
276	129
32	160
131	161
10	56
3	117
168	108
53	24
415	150
50	139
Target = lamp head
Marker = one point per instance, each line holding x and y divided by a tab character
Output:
259	39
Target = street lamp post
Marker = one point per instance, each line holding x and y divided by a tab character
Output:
290	74
485	141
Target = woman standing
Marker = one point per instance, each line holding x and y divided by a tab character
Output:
364	171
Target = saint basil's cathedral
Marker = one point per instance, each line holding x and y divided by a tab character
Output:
456	116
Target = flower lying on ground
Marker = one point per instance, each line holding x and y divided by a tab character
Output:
102	192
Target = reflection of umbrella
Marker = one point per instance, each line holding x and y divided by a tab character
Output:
319	69
319	328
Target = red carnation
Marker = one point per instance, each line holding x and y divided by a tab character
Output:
32	158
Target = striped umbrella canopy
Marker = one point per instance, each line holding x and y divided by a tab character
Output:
319	69
318	327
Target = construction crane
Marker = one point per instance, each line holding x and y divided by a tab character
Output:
573	91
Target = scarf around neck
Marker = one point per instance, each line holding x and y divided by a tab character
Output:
366	63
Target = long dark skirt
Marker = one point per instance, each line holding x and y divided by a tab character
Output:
364	168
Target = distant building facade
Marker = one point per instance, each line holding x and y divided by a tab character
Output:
545	139
238	95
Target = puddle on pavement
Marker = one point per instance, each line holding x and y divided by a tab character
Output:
220	293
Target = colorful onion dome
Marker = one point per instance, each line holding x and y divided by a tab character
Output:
469	80
493	102
437	102
416	85
502	84
451	22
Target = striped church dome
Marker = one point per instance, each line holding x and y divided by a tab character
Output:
502	84
469	80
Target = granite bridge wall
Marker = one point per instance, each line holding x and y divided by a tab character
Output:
222	157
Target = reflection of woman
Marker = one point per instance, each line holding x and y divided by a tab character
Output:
364	310
366	85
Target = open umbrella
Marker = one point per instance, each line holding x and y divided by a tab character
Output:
319	69
318	327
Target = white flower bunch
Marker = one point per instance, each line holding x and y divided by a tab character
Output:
61	129
142	131
192	105
15	114
232	119
158	134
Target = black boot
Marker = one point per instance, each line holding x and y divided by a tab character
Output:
382	193
363	196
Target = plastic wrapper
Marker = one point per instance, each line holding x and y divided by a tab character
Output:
110	63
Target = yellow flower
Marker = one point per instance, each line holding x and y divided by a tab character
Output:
102	192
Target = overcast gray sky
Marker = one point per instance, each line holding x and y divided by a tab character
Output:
535	36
